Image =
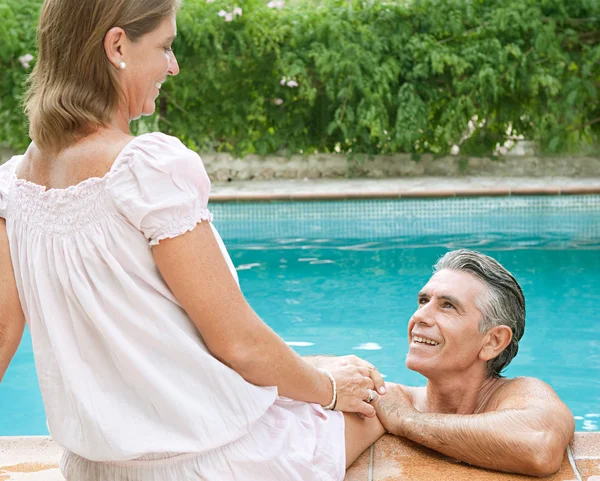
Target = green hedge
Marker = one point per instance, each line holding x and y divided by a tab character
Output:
372	76
17	39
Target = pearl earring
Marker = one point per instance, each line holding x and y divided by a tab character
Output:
122	65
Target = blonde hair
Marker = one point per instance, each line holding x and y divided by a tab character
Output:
73	88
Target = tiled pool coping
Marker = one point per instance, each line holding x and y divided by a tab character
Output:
395	459
423	187
389	459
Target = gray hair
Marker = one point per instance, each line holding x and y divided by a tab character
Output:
503	306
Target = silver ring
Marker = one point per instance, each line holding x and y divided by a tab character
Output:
371	395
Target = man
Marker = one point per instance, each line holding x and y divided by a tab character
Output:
465	331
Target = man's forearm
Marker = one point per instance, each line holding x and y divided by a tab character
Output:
498	440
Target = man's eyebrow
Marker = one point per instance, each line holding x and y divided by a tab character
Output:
446	297
452	300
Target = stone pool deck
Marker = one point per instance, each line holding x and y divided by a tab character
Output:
389	459
416	187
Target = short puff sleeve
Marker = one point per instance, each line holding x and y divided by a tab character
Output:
7	173
160	186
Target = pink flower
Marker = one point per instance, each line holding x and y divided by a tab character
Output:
278	101
279	4
210	1
237	11
25	60
222	13
292	84
282	81
228	17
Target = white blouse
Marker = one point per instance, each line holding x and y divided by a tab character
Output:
122	370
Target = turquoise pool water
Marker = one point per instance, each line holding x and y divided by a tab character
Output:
332	293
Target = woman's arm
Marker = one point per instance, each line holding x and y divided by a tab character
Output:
194	269
12	320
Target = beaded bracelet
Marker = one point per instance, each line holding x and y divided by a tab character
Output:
333	402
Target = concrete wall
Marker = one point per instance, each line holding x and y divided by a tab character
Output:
224	167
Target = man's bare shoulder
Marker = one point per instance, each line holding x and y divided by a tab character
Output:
522	392
415	394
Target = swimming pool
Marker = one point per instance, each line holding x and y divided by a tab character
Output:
342	277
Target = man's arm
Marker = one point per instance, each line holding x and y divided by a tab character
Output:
527	433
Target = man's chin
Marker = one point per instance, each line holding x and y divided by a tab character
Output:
417	365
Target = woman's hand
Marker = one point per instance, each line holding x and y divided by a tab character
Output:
333	362
355	379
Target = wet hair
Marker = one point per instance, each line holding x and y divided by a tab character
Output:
503	304
73	88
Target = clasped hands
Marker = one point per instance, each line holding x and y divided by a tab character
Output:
355	379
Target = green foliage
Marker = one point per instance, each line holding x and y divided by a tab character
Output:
17	39
373	77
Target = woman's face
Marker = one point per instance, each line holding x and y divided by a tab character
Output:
148	63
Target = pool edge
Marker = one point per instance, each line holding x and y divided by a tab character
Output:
35	458
258	196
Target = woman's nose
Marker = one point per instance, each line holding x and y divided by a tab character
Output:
173	65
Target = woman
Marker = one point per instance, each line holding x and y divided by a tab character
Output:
151	364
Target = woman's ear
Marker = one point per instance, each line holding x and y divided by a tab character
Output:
497	338
114	43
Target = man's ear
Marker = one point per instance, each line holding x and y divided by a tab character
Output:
496	340
114	41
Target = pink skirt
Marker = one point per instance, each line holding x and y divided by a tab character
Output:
293	441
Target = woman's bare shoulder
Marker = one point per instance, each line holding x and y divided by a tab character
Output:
91	156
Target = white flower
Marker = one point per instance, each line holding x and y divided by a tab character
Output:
279	4
210	1
237	11
25	60
228	17
278	101
292	84
282	81
222	13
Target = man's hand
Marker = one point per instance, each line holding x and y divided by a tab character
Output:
393	409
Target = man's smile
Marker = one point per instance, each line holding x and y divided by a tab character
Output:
424	340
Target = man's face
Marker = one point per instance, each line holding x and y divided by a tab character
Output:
443	333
